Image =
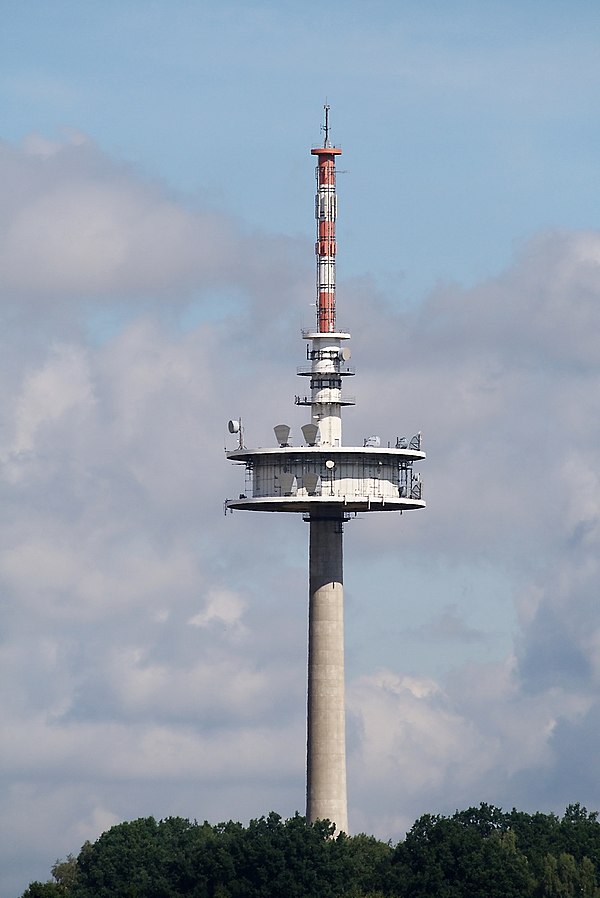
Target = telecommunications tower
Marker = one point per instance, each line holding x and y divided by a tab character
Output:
327	483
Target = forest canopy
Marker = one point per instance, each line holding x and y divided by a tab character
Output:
481	852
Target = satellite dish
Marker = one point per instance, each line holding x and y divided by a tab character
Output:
282	433
345	355
309	432
330	464
373	442
233	426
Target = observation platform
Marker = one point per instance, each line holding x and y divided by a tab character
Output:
341	399
310	371
336	479
310	333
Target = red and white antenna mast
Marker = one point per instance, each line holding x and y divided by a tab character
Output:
325	213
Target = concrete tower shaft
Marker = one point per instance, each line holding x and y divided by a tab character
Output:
326	729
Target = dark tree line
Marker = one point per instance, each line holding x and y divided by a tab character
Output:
482	852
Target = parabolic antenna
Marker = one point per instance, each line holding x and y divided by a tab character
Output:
309	432
311	482
282	433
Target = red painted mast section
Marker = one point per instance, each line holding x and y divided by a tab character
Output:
325	247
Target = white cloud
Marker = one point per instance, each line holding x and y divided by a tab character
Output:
221	607
422	747
60	386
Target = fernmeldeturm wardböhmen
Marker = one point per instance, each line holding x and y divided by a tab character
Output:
328	483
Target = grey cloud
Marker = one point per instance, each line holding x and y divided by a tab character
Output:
503	379
74	223
77	225
128	686
449	625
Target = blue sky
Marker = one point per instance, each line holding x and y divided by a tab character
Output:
156	265
479	115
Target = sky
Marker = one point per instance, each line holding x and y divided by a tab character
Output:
156	266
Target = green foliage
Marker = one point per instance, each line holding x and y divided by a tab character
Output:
367	864
64	874
481	852
565	877
143	859
537	835
470	854
42	890
173	858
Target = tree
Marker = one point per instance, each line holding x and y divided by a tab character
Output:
480	852
564	877
142	859
537	835
367	863
469	855
64	874
42	890
579	833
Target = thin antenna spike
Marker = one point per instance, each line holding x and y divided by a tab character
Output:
325	127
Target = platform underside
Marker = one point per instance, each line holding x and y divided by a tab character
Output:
324	504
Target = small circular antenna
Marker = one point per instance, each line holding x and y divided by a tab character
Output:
233	426
330	464
345	354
